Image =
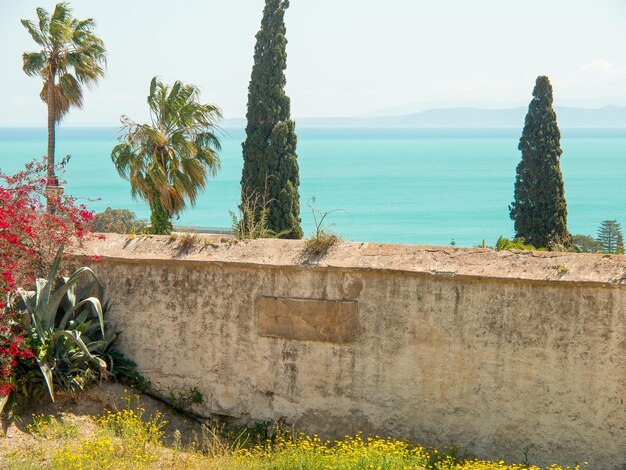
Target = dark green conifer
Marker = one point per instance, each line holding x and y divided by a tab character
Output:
539	209
611	237
270	169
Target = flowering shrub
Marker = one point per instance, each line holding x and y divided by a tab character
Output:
30	237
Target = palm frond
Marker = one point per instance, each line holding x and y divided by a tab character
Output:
33	63
61	102
35	33
44	20
71	53
173	157
70	89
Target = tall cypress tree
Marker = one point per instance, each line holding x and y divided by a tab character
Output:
539	209
270	168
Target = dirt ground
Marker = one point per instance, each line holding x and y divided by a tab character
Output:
80	409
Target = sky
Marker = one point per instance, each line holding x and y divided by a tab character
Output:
345	57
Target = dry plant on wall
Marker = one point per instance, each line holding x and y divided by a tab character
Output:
322	239
252	221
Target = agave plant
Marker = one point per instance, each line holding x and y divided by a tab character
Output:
68	329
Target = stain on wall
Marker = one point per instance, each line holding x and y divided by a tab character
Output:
330	321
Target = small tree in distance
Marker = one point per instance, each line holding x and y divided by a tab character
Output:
117	221
539	208
611	237
586	244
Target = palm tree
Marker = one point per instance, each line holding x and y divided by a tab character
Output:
169	160
71	55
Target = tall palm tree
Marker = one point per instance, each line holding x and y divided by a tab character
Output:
71	55
169	160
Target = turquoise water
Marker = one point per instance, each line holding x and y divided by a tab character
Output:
392	185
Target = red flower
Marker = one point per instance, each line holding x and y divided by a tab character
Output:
29	238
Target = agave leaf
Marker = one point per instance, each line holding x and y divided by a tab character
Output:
44	294
75	337
82	293
57	297
29	299
96	308
98	345
71	294
40	284
47	375
82	318
3	402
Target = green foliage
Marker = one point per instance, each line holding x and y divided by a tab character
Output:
185	398
160	219
69	336
610	237
124	369
133	439
117	221
49	427
516	244
124	439
66	333
168	162
269	151
586	244
539	208
71	56
561	268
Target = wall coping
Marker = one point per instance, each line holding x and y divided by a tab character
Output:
573	269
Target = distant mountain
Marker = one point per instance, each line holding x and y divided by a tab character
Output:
605	117
416	107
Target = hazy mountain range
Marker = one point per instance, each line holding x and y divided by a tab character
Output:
470	117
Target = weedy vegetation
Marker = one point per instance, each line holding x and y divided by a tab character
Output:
132	439
322	239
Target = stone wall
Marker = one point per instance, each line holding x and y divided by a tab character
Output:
500	352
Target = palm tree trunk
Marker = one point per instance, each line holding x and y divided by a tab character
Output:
52	181
160	220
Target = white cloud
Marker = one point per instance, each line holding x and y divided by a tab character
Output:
602	71
599	77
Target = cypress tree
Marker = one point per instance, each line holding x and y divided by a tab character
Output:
539	209
270	169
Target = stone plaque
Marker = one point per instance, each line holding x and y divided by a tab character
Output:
330	321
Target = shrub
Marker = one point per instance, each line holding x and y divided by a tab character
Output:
188	240
69	335
587	244
515	244
125	439
121	221
29	239
320	243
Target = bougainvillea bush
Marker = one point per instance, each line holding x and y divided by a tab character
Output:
30	237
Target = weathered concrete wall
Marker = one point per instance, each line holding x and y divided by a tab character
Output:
500	352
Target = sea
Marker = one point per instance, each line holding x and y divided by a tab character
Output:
411	186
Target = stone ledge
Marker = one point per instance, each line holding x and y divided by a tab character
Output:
443	262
